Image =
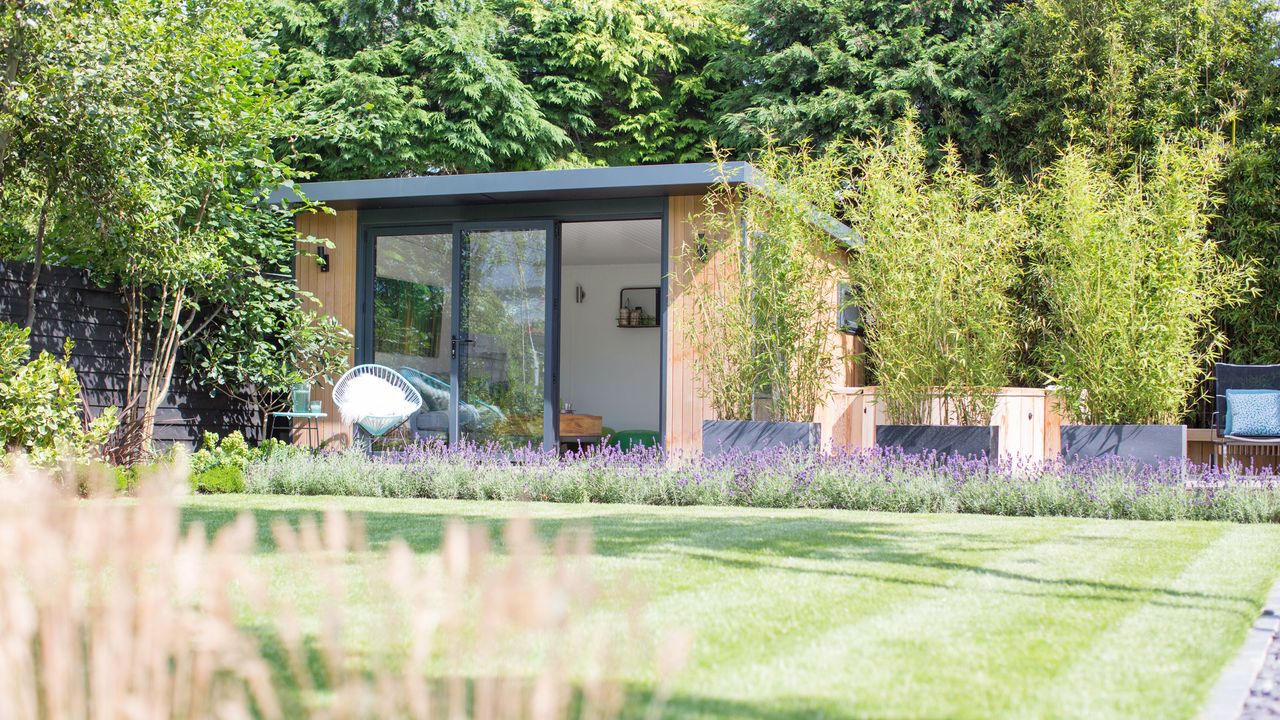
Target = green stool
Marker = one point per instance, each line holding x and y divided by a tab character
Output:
628	439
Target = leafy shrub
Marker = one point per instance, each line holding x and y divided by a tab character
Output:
935	279
232	450
126	478
1131	284
40	407
878	479
219	465
220	479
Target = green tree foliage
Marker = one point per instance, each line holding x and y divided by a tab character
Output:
1121	78
190	235
59	98
825	69
1131	283
1248	227
935	279
630	80
180	110
392	88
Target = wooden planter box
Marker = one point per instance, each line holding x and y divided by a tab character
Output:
954	440
1150	444
719	436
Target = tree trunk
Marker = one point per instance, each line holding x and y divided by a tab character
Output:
38	258
11	57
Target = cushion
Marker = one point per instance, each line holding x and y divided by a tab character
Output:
431	420
434	392
373	402
1253	413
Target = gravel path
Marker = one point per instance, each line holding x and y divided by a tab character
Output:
1264	698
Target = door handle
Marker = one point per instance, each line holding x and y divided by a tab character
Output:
454	342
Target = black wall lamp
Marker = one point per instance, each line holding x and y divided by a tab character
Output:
322	259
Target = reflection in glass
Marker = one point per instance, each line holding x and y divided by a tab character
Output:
503	324
411	315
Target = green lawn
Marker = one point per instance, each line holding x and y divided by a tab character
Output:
847	614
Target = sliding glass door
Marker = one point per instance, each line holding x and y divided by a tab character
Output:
412	323
466	314
503	343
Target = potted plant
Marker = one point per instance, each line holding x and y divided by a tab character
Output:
1130	284
935	278
761	300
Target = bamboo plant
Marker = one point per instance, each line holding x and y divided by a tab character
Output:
760	286
1131	283
934	278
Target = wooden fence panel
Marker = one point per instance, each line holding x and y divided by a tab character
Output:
1023	415
334	293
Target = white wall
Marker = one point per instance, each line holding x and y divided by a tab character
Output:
604	369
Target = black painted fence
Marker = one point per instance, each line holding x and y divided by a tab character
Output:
70	305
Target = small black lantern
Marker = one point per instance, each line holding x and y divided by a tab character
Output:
322	259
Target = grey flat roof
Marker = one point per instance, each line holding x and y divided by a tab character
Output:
530	186
542	185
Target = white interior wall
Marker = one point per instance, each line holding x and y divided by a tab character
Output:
604	369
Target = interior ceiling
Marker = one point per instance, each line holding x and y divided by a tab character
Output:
611	242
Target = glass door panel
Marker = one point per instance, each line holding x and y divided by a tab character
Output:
413	316
502	342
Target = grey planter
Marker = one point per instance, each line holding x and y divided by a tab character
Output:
955	440
1150	444
719	436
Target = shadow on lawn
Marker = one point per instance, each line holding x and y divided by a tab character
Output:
638	698
775	544
683	705
617	535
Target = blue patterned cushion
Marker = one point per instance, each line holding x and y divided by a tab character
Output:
434	392
1253	413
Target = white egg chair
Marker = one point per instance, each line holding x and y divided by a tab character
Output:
375	399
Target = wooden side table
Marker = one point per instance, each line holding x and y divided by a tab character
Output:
580	429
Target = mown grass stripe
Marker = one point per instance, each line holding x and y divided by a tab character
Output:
1186	641
989	638
803	602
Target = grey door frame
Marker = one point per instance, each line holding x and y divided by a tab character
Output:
367	257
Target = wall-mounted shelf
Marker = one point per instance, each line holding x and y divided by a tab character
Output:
638	307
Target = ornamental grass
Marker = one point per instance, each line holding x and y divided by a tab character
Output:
111	608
